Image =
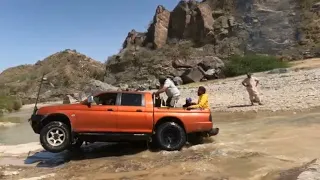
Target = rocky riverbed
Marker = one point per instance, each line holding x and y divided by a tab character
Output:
281	90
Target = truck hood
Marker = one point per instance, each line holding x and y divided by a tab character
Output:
54	108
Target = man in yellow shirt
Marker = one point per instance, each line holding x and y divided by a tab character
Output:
203	102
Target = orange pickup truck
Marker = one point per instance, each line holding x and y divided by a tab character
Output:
117	116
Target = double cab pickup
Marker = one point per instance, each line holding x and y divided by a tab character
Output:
118	116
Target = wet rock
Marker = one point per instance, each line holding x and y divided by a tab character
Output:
308	171
311	172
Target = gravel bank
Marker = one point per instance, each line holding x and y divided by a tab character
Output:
292	90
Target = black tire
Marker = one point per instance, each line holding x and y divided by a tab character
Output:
46	135
171	136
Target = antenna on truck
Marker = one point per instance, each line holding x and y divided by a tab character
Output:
41	82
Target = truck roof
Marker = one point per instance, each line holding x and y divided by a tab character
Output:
132	92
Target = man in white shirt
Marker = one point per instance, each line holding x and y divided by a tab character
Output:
251	84
168	86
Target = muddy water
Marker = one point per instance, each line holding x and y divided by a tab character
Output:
15	129
249	146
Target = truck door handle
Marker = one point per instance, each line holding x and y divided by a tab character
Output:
109	109
139	110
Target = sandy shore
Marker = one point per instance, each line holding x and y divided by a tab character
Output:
293	90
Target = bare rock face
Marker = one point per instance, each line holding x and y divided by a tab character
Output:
216	29
134	39
191	20
179	20
158	30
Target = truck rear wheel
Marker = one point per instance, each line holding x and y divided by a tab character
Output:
55	137
171	136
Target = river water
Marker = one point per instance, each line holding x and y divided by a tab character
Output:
249	146
15	128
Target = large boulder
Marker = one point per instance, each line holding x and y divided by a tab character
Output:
211	62
192	75
95	86
311	172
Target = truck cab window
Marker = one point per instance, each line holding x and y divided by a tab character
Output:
131	99
107	99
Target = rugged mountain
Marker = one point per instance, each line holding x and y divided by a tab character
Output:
181	41
68	72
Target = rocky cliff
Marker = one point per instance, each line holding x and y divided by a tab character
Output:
189	41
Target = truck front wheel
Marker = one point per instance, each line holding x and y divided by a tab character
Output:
171	136
55	137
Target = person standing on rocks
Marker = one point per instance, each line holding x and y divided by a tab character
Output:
168	86
251	84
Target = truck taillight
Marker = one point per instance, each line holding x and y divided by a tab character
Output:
210	118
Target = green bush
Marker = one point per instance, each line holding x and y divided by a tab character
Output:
17	104
10	103
239	65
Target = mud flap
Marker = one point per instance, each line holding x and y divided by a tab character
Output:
213	132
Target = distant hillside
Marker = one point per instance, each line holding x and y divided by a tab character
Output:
68	71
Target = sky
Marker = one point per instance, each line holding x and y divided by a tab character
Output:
31	30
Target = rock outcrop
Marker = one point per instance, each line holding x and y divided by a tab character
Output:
158	30
214	28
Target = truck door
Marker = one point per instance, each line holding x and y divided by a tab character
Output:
132	115
101	116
